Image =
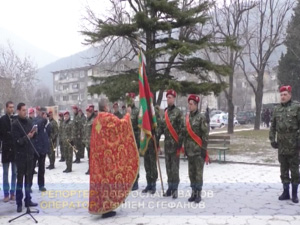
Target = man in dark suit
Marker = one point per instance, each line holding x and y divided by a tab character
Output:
8	155
23	132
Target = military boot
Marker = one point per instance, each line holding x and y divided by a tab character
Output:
153	188
197	196
174	193
193	196
286	192
148	188
294	193
169	191
135	186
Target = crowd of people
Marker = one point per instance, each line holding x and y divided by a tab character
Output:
27	139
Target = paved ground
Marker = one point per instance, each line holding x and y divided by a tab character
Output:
232	194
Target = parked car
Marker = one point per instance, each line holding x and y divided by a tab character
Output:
245	117
235	122
214	112
218	120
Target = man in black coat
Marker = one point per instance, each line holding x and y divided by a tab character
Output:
23	132
8	156
41	144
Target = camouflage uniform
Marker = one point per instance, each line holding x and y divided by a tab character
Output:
195	154
118	114
171	147
53	141
68	136
87	133
285	124
134	121
82	145
150	162
78	135
61	146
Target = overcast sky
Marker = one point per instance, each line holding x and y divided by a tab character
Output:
51	25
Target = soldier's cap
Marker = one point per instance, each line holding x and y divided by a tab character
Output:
79	110
131	95
123	107
96	111
38	108
91	106
66	112
30	110
60	114
50	112
194	98
115	104
74	107
89	109
171	92
285	88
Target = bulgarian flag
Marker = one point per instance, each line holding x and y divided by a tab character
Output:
147	118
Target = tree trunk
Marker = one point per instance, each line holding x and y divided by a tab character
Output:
160	97
230	105
258	99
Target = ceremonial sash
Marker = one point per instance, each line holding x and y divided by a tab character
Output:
195	137
171	128
173	133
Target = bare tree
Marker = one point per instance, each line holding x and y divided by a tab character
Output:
20	72
266	25
226	21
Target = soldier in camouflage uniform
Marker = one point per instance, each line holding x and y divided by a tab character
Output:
52	140
134	114
88	130
60	133
83	119
284	134
116	111
150	161
171	145
195	153
68	141
78	134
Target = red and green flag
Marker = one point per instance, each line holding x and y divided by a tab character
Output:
147	118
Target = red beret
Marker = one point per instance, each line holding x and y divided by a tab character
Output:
38	108
74	107
50	112
171	92
91	106
131	94
123	107
89	109
79	110
116	104
194	97
60	114
285	88
30	110
66	112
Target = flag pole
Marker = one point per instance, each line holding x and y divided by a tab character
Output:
158	163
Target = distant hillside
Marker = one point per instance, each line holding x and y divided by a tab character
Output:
80	59
24	48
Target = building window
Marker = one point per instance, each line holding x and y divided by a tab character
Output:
57	87
74	97
82	74
66	98
65	87
56	77
75	86
57	98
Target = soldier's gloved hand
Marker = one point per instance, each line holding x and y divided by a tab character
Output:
72	143
274	144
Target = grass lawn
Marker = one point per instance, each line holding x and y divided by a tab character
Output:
248	146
